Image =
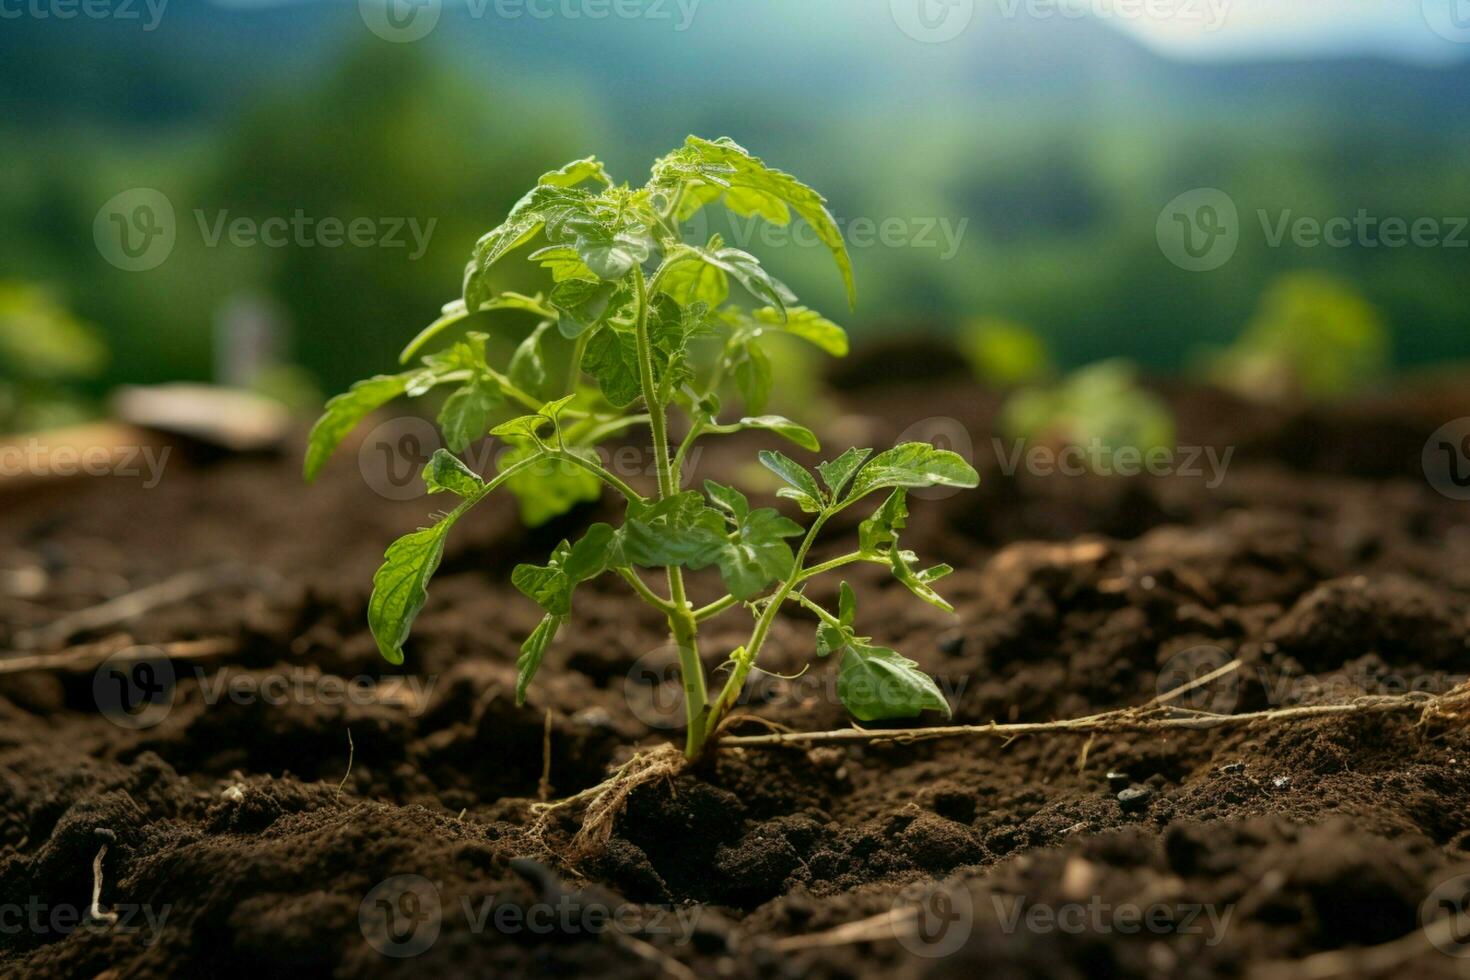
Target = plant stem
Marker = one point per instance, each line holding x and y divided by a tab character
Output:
682	624
745	658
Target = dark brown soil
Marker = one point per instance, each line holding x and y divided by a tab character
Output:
1324	560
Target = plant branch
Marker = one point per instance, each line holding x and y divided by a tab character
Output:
649	596
596	470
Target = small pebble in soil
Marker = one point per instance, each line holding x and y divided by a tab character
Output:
1233	768
1118	781
1281	782
1135	798
952	644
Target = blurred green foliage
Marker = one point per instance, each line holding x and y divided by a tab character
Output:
1003	353
1099	407
44	350
1313	337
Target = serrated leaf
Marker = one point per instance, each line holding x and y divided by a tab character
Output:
759	555
611	253
728	498
800	481
835	473
879	533
782	426
563	262
696	282
913	464
919	582
876	683
401	586
846	605
582	304
447	473
676	531
725	163
465	416
749	202
612	358
807	324
744	268
343	413
533	651
546	585
574	173
547	205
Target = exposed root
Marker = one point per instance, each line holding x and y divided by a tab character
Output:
607	800
1153	717
95	913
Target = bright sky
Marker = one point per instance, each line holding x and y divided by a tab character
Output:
1430	30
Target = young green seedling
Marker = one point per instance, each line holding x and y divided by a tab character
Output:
636	331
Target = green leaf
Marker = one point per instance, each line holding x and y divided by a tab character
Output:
345	411
610	252
533	651
748	202
594	554
528	427
753	376
676	531
743	267
445	472
807	324
726	164
465	416
693	281
527	369
807	494
879	533
784	427
574	173
401	586
547	205
835	473
583	304
759	555
835	638
729	499
612	358
546	585
913	464
563	262
876	683
919	582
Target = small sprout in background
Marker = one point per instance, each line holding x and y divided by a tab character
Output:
637	330
1314	337
1101	405
44	349
1005	354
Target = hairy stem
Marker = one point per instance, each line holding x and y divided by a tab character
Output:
682	624
745	659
